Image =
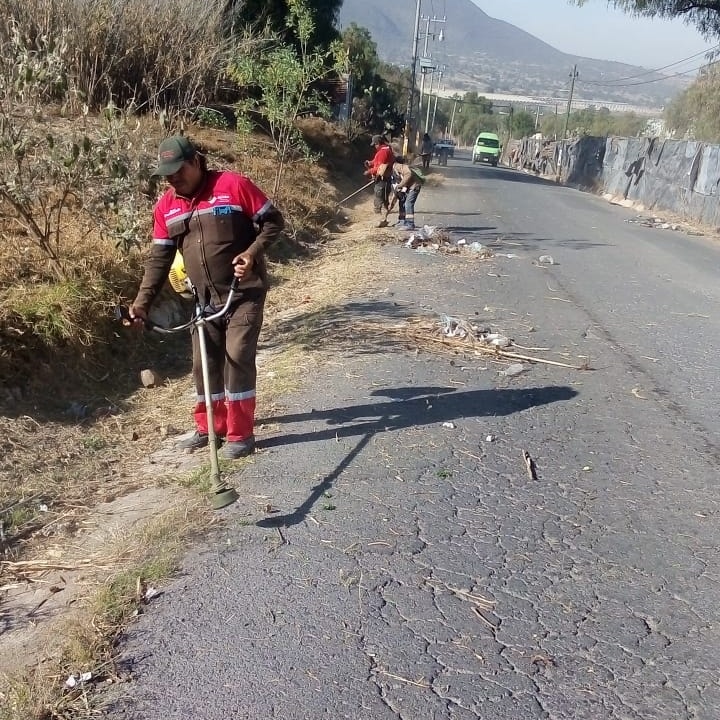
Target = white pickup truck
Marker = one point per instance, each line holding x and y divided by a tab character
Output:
446	145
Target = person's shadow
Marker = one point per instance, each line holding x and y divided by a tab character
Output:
408	407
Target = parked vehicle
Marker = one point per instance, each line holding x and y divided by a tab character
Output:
487	149
447	145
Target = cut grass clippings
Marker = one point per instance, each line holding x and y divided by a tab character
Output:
417	334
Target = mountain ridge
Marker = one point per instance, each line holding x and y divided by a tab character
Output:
485	54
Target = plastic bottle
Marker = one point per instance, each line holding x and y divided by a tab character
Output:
512	370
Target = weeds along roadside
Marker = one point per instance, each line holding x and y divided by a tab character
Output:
74	435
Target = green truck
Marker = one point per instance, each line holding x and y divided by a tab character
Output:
487	149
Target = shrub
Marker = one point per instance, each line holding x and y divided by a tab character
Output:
281	81
152	57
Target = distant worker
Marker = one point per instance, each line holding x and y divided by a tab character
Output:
407	183
426	151
380	168
443	152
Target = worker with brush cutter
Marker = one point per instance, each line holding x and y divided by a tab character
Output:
380	169
221	223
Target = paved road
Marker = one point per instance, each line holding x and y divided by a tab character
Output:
414	570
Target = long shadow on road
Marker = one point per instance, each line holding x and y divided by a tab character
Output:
408	407
416	409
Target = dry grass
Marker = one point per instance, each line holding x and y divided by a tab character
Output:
101	461
423	334
73	443
114	584
168	54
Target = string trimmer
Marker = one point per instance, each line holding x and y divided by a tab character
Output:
357	192
221	494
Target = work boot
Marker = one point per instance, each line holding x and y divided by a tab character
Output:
235	449
196	441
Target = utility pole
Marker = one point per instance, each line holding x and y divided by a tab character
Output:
411	96
573	76
431	123
452	119
424	63
430	99
437	92
422	69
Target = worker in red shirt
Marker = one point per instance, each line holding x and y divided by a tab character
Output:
380	168
221	223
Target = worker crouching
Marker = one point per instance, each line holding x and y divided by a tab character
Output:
407	182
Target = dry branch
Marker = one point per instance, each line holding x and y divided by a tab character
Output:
530	465
419	331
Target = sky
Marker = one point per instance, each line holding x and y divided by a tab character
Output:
596	31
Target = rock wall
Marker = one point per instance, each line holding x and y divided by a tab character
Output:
679	176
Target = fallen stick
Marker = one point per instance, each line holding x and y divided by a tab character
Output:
19	502
529	465
517	356
532	349
27	566
417	683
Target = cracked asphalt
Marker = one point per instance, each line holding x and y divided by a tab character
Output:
414	570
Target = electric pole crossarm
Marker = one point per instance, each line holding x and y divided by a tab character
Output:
426	65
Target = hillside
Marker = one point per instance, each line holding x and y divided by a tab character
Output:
489	55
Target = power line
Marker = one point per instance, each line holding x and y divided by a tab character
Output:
648	82
611	83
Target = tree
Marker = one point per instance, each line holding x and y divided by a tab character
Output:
361	55
523	124
273	15
695	113
51	179
552	125
704	14
595	122
283	82
485	105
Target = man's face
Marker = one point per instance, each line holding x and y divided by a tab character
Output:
186	181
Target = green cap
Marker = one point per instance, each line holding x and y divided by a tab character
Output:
172	153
